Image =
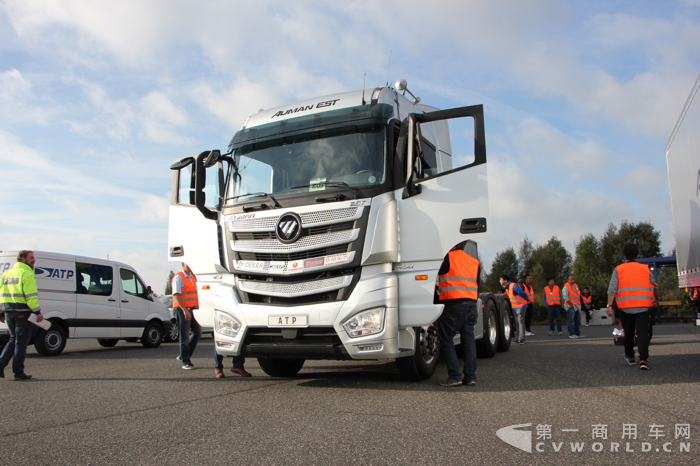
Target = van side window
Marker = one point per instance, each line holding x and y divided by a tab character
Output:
93	279
131	283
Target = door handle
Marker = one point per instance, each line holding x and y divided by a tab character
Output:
112	300
124	301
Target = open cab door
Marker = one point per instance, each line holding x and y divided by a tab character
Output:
444	200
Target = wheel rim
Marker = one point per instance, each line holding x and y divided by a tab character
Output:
52	341
428	344
506	326
153	334
492	328
174	334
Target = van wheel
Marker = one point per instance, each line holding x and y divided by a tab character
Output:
422	365
281	367
152	335
52	341
107	342
486	346
131	340
173	334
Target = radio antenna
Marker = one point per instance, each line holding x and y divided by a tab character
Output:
388	71
364	84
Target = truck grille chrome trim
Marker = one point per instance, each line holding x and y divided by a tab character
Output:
292	290
304	243
307	219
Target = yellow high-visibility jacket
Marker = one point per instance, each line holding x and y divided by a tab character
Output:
18	289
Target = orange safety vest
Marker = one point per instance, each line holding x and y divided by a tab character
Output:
516	301
587	299
634	287
189	291
460	281
553	296
530	292
695	296
574	294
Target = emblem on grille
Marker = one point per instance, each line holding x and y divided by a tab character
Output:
288	228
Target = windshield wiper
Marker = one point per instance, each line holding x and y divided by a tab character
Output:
277	204
341	184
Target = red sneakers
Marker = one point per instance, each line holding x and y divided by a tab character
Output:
242	372
219	374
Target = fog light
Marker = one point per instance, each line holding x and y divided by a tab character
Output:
223	344
370	347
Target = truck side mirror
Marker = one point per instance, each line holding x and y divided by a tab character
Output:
201	182
413	159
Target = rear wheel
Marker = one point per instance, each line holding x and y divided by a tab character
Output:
107	342
152	335
173	334
505	330
422	365
486	346
52	341
281	367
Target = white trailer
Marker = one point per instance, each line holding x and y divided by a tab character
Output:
319	234
683	159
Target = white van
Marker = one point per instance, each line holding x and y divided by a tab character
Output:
84	297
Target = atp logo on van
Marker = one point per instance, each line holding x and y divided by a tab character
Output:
47	272
4	267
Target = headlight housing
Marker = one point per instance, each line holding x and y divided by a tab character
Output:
369	322
226	324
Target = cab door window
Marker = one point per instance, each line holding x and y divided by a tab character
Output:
131	284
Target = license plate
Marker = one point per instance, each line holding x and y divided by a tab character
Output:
287	321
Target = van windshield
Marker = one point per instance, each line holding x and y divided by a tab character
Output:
314	161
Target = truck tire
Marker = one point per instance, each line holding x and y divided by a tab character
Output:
505	329
486	347
152	335
281	367
107	342
50	342
422	365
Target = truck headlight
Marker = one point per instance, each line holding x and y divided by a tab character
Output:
365	323
226	324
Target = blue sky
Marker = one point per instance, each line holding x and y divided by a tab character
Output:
97	98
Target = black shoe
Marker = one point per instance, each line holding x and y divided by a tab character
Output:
451	383
23	377
470	383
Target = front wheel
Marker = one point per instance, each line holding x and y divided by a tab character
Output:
487	345
281	367
152	335
107	342
173	334
423	363
50	342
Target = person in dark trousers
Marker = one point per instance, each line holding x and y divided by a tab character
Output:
18	300
551	296
587	305
633	286
518	301
530	291
237	369
185	301
458	290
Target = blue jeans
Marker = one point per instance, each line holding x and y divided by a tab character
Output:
20	332
458	318
238	361
554	312
573	321
190	332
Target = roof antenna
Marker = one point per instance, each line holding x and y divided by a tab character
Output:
364	84
388	71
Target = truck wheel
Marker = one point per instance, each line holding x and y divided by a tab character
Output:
173	333
422	365
107	342
505	330
52	341
280	367
131	340
486	346
152	335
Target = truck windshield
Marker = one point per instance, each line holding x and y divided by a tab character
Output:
316	161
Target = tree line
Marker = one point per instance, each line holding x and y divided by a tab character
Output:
595	260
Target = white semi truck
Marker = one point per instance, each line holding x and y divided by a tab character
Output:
319	234
683	159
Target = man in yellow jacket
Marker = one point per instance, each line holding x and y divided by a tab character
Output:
18	300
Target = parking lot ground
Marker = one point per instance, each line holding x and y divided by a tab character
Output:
131	405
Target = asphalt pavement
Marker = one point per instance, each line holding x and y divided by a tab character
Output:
576	400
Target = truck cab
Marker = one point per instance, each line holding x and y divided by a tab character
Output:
320	232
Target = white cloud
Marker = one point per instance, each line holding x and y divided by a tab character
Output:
153	209
161	119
